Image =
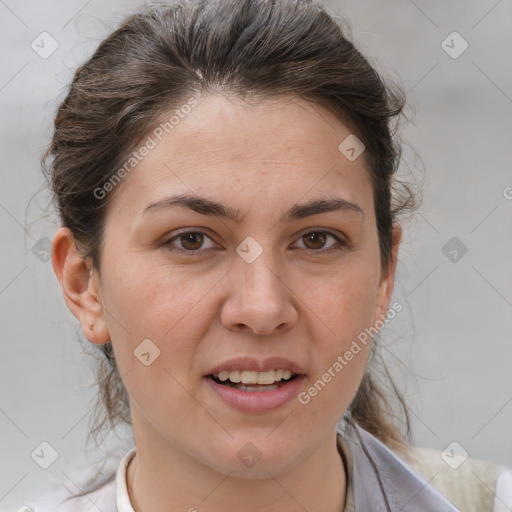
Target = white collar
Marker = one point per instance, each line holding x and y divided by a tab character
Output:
122	497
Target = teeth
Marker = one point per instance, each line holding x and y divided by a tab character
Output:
250	377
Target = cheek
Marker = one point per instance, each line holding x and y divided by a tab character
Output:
156	320
338	358
155	316
153	300
343	306
345	299
330	392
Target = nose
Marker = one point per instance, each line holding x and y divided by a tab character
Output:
260	300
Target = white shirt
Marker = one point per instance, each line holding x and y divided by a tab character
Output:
123	500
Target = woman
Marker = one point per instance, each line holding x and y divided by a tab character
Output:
224	173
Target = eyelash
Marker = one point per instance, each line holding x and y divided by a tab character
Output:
339	246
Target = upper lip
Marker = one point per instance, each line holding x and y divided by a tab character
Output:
256	365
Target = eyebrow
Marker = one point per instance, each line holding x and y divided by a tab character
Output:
206	206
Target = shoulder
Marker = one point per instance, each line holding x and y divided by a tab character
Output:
101	492
470	484
413	478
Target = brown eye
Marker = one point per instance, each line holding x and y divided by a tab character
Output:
190	241
316	241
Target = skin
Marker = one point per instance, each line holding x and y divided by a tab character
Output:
200	310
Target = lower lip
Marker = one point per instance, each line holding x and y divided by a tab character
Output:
257	401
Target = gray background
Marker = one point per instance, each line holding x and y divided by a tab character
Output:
452	341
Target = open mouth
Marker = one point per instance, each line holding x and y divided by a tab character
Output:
255	392
253	382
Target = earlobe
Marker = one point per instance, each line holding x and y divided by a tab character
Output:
80	286
387	282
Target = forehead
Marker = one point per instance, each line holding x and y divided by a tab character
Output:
281	129
235	149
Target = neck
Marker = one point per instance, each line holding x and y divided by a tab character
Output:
166	481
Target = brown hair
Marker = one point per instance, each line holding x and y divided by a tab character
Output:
254	49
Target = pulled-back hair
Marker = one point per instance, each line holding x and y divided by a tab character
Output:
253	49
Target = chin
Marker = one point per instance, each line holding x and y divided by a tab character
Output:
247	461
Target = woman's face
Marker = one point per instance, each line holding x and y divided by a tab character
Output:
186	285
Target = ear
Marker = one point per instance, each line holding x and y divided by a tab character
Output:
80	286
387	281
